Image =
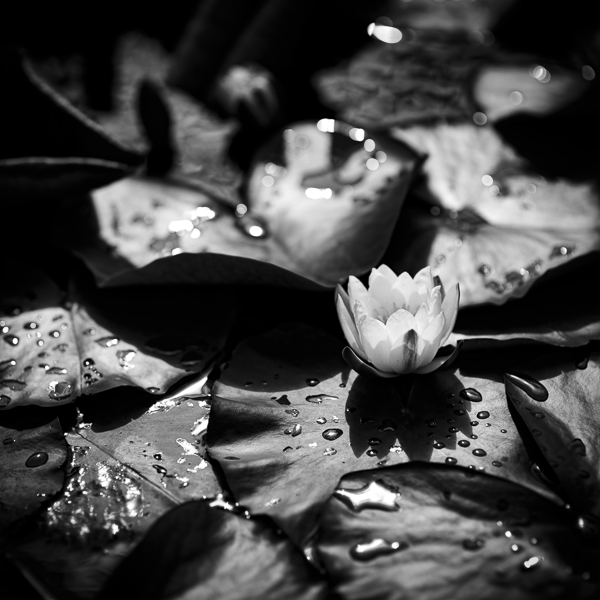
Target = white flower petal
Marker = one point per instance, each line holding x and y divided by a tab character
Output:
404	292
450	309
348	327
340	292
403	357
434	330
424	277
435	301
422	319
375	342
427	353
357	291
387	273
399	324
380	289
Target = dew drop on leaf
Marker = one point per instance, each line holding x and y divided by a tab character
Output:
293	411
37	459
474	423
453	429
460	412
377	547
497	463
372	452
107	341
388	425
312	382
532	387
578	447
13	384
7	364
473	543
56	371
470	394
318	398
58	390
479	452
159	469
439	445
4	401
450	460
374	441
88	362
54	334
8	441
431	423
464	443
321	420
484	414
332	434
153	390
11	340
532	563
330	451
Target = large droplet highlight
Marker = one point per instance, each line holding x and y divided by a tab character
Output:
37	460
532	387
375	548
332	434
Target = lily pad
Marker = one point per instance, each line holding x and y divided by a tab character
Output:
449	532
486	220
203	552
322	238
49	148
565	425
288	414
31	469
57	346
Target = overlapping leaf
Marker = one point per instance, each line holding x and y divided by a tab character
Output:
446	532
289	417
57	346
31	462
202	552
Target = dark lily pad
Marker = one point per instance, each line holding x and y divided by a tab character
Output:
203	552
31	469
288	414
48	148
57	346
449	532
564	426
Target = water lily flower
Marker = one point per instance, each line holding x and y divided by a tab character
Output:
398	324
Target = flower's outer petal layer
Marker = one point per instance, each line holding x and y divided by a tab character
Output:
388	273
358	292
439	361
399	324
403	357
435	301
348	327
341	293
427	351
362	367
422	319
450	308
375	342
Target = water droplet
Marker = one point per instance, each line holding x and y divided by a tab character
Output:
13	384
484	414
37	459
330	451
292	411
532	387
153	390
318	398
374	441
439	445
538	415
88	362
91	331
11	340
459	412
332	434
125	357
503	431
372	452
7	364
312	382
464	443
516	548
7	441
453	429
54	334
31	325
583	363
450	460
321	420
287	449
107	341
56	371
4	401
484	270
474	423
470	394
294	431
431	423
497	463
479	452
58	390
578	447
40	343
158	456
365	420
388	425
378	547
532	563
473	543
159	469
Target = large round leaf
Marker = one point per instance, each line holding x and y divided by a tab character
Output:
432	531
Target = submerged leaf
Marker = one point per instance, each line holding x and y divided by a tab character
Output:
450	533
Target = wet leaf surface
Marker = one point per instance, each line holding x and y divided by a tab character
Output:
565	426
288	418
447	532
322	238
31	462
57	345
233	558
